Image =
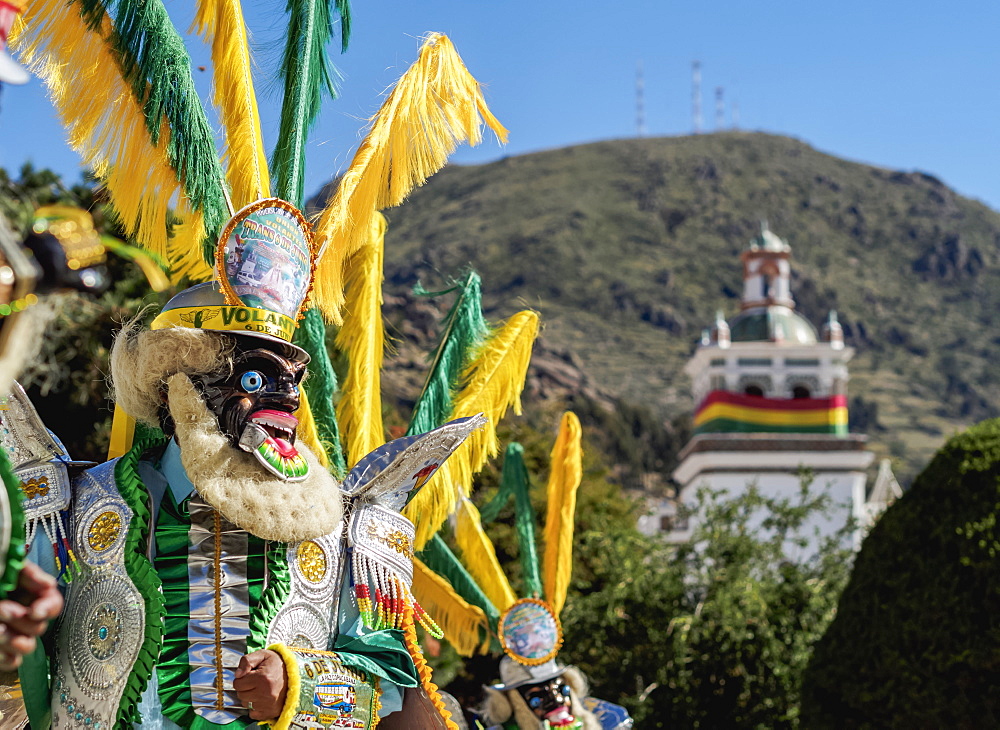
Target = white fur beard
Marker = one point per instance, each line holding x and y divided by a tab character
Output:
235	483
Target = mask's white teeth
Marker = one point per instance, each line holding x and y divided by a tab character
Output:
252	437
276	429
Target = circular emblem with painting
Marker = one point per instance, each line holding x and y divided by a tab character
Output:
530	632
264	258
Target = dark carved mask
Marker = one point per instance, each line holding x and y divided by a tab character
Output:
549	701
255	403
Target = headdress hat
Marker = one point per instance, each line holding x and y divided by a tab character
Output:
513	674
264	270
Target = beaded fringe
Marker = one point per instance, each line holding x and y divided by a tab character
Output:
52	524
383	597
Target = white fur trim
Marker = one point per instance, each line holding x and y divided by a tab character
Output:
143	360
496	707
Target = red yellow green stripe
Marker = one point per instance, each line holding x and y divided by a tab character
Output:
725	412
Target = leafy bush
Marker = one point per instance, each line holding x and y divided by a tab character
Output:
714	633
915	641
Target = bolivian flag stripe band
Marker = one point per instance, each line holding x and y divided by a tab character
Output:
228	319
725	412
773	416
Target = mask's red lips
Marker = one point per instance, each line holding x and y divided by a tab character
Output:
280	426
277	419
560	717
269	436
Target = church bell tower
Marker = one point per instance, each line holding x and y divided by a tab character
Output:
771	395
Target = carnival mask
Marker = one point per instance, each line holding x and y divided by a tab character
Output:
256	402
549	701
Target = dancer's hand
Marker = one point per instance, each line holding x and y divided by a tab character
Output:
26	614
261	683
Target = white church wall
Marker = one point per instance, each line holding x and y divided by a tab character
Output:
846	491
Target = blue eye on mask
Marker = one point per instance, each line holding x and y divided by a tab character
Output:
251	381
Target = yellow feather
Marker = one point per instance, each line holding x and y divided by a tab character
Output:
221	23
434	106
462	623
122	433
307	431
107	127
494	380
480	558
566	472
362	337
186	260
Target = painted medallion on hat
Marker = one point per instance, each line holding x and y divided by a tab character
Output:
265	258
530	632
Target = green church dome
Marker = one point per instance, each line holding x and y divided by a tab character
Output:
772	324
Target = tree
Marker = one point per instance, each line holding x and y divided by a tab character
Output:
915	640
713	633
66	379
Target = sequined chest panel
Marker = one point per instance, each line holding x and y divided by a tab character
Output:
307	618
218	606
101	632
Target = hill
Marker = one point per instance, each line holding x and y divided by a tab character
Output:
628	248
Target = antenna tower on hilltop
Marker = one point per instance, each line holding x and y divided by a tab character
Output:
696	95
720	110
640	102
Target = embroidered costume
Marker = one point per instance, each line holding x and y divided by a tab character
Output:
226	532
187	553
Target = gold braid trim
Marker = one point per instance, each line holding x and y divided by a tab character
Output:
410	637
220	699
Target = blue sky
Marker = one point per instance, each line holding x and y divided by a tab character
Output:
912	85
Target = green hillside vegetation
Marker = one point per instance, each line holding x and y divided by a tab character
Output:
627	248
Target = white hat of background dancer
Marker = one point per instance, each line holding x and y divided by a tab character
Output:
514	674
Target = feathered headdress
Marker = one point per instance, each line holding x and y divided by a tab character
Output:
477	578
145	133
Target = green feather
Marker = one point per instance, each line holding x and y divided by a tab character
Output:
465	329
155	62
306	73
514	481
321	385
344	11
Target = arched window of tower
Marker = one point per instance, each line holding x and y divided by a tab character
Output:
757	385
803	386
